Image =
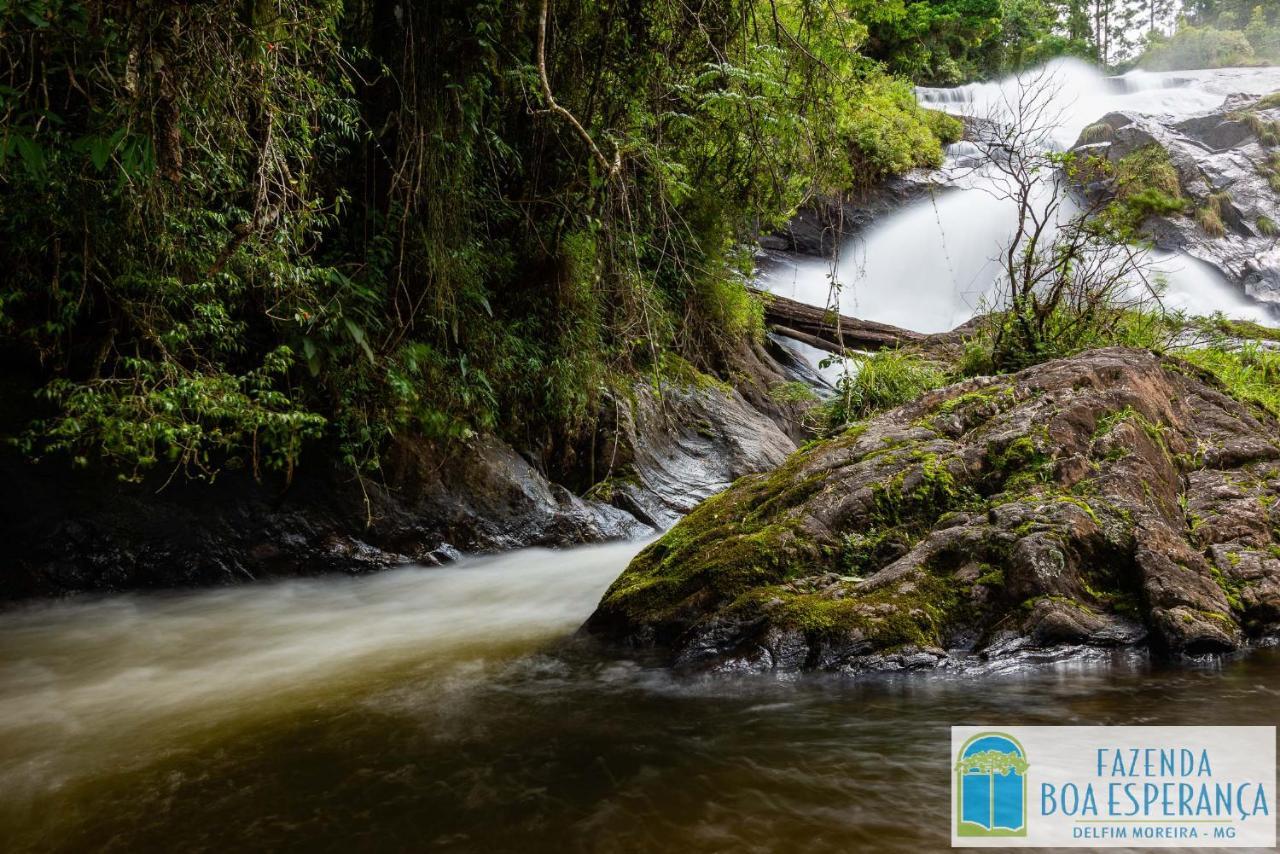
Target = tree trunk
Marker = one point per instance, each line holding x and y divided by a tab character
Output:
831	332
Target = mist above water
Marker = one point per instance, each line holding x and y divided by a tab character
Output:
932	265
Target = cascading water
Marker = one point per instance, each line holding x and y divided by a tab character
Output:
931	265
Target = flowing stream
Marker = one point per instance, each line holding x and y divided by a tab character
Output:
450	709
454	709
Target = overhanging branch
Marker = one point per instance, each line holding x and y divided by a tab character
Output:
611	168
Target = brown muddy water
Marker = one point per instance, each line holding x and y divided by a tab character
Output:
450	709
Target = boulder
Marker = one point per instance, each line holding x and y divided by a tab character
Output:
1222	155
669	447
1111	499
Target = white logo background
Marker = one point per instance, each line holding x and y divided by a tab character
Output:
1058	756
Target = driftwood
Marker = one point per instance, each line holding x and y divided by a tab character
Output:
817	327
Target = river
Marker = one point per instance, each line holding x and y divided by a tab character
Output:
452	709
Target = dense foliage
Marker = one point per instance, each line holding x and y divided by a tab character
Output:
1219	34
233	227
952	41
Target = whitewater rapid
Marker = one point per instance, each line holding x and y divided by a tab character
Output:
930	266
95	684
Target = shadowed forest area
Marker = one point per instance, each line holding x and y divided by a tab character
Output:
234	231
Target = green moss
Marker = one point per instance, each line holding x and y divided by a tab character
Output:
1076	501
678	372
735	541
1105	589
1022	464
981	403
1218	616
921	493
1231	587
862	553
608	488
991	577
1267	226
914	613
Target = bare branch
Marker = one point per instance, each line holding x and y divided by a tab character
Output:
612	169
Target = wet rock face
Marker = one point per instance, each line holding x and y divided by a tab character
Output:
1224	160
1111	499
69	532
673	447
821	226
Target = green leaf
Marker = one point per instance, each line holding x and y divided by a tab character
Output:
358	335
312	356
31	153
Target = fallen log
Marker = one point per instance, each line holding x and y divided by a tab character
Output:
830	331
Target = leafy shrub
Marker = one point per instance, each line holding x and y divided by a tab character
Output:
889	133
882	381
1068	333
946	127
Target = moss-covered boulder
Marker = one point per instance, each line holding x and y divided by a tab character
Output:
1113	498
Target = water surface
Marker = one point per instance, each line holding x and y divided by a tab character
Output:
451	709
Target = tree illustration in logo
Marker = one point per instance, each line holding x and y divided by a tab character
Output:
991	786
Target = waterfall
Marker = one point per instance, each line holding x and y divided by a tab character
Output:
931	265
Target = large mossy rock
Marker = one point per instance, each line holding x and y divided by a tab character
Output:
1114	498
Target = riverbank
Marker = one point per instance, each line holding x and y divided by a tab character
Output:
659	448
